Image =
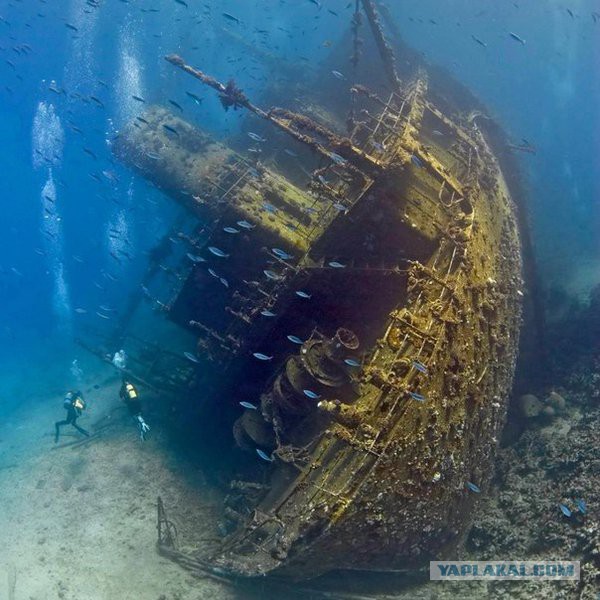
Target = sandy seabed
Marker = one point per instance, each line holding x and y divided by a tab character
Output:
78	521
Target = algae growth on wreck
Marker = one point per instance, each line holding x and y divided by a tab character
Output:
298	297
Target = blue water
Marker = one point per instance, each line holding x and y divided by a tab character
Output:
69	208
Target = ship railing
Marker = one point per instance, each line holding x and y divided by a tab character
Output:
384	126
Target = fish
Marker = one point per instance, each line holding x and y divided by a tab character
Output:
474	488
81	311
582	506
303	294
310	394
339	207
281	253
211	272
248	405
416	161
176	105
195	98
264	455
256	137
72	27
271	275
480	42
565	510
230	17
269	208
338	75
437	132
267	313
337	159
291	153
224	281
102	316
171	130
230	230
517	38
419	366
138	98
295	339
336	265
182	2
194	258
191	357
217	252
153	155
245	225
261	356
417	397
351	362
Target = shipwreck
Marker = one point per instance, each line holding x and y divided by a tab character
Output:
361	296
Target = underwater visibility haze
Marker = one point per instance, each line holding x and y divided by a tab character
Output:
298	296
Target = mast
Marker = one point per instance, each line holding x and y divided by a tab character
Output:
340	149
385	49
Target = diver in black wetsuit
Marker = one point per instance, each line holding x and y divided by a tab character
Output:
129	394
74	404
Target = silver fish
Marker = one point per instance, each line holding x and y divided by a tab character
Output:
337	159
245	225
191	357
281	253
261	356
264	455
256	137
217	252
419	366
271	275
351	362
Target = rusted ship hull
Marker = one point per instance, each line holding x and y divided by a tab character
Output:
400	262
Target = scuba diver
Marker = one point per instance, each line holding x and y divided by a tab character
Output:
129	395
74	404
